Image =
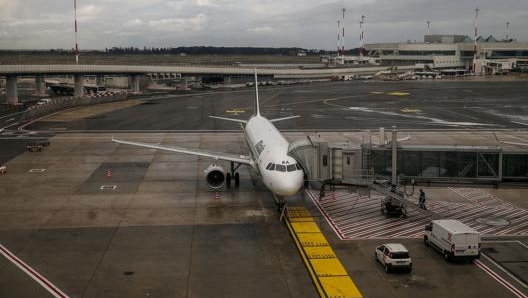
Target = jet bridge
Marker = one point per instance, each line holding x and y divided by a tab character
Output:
331	163
377	167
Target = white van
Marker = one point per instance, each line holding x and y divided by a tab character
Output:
453	239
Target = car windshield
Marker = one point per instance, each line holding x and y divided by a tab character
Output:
400	255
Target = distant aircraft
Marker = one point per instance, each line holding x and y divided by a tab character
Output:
268	155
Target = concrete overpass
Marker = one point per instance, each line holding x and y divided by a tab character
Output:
11	72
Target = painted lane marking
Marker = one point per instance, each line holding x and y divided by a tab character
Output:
407	110
358	217
236	111
328	274
46	284
505	270
398	93
500	280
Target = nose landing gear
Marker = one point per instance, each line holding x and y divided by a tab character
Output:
233	174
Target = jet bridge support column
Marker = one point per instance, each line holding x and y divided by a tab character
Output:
99	80
40	85
78	86
394	143
134	82
11	90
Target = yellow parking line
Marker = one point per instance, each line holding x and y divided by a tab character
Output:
398	93
319	252
328	267
308	240
333	286
330	277
305	227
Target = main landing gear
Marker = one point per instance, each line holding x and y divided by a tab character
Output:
280	202
233	174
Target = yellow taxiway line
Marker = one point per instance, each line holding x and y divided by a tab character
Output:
328	274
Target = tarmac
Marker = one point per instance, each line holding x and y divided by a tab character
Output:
99	219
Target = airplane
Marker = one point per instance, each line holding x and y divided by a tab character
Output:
268	156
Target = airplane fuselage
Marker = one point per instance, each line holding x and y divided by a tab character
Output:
269	149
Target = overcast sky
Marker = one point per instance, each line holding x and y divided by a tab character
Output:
311	24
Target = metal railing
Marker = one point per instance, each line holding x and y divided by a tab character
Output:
56	105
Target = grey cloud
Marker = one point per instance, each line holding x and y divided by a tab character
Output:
301	23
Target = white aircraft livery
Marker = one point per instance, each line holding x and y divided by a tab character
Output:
268	155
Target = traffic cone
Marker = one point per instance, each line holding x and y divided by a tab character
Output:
108	173
333	196
217	196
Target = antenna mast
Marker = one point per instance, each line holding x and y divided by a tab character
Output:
361	37
475	44
76	41
343	34
338	38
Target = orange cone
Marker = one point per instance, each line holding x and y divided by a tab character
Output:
108	173
217	196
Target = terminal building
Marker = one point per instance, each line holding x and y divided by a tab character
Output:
453	54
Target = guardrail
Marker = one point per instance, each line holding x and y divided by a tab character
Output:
39	110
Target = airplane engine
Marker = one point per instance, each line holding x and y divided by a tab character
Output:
215	176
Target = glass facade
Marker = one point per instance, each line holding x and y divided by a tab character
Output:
452	164
515	166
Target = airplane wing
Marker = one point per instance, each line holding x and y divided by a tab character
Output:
285	118
515	143
242	159
229	119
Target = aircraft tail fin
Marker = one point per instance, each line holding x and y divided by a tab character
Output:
257	107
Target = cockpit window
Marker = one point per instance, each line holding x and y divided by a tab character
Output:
281	168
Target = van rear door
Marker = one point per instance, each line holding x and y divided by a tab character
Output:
466	244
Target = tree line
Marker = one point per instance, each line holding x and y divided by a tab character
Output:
194	50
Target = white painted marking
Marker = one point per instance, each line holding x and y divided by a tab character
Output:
108	187
430	119
46	284
521	123
37	170
500	280
11	119
505	271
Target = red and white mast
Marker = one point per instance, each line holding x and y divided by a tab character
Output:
338	38
475	44
76	41
343	33
361	36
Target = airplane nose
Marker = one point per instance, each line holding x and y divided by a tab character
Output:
290	185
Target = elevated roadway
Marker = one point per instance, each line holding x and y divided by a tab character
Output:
58	69
11	72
